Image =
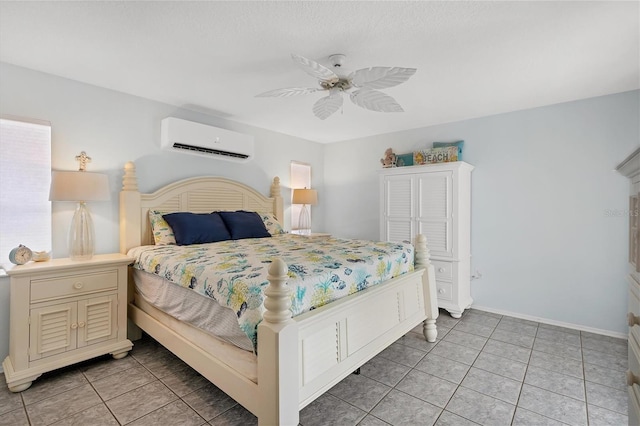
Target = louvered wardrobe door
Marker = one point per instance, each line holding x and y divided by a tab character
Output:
435	211
398	209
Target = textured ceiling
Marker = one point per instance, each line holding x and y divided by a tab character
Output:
473	58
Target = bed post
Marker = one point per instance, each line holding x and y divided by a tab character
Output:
278	352
130	224
276	194
130	230
429	288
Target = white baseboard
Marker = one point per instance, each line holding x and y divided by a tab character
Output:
552	322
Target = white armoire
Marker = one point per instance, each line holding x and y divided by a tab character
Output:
433	200
631	169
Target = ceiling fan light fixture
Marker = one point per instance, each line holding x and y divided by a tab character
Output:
337	59
366	81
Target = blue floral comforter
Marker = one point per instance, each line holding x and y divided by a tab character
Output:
234	272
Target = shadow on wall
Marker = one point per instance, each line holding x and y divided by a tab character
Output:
155	171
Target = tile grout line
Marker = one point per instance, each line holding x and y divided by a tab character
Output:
459	385
584	381
524	376
102	401
24	408
599	346
521	384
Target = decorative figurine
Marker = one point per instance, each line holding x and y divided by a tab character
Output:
389	159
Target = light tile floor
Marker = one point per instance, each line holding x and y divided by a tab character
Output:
484	369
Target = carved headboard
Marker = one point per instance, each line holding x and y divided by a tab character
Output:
198	195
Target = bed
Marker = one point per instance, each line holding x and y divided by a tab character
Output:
296	359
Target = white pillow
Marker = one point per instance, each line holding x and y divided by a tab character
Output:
271	223
162	232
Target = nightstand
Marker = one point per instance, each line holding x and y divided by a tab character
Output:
312	235
64	311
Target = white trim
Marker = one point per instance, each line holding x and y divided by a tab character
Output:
552	322
630	165
36	121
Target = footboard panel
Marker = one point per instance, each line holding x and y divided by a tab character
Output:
338	338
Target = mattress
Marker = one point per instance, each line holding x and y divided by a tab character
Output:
188	306
234	273
240	360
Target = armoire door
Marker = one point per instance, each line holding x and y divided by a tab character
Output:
398	211
435	211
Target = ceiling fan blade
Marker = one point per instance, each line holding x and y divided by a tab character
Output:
326	106
285	93
314	69
375	101
380	77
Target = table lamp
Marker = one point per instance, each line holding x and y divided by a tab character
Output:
80	186
305	197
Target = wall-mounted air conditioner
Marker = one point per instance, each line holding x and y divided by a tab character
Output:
189	137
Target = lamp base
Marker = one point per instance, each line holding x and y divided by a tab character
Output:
304	221
81	234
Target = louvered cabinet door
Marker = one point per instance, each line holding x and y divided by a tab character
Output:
398	209
435	214
97	320
53	330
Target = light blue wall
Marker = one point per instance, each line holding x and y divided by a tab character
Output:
542	189
114	128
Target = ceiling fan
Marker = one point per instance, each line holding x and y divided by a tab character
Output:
365	81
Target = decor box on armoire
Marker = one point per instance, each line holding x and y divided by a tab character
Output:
433	200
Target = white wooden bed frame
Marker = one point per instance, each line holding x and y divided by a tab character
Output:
298	358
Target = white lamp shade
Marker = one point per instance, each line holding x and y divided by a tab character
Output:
305	196
79	186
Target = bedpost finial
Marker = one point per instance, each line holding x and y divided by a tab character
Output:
129	180
277	301
275	187
278	268
422	251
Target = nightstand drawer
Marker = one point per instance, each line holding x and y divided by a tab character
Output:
73	285
443	269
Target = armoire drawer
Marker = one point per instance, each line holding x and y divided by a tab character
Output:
444	290
444	270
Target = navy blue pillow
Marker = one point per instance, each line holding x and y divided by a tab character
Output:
197	228
242	224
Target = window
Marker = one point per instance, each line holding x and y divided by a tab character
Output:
300	178
25	177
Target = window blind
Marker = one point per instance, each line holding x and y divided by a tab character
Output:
25	177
